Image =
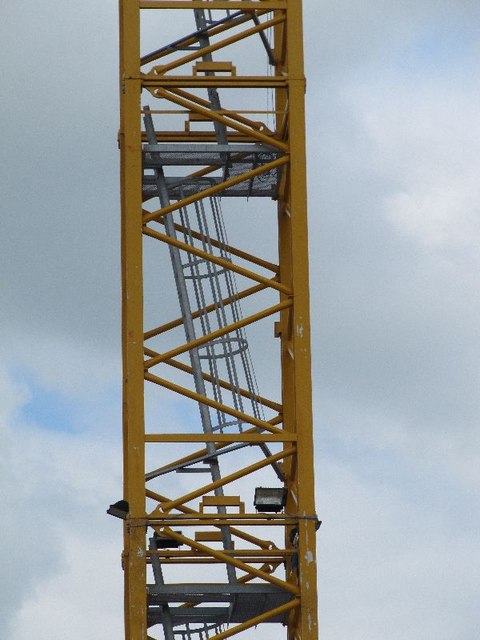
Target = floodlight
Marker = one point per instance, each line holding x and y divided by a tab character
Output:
119	509
270	499
164	542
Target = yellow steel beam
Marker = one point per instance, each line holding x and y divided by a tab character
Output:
266	264
238	533
295	335
212	31
193	395
234	123
218	333
241	473
132	322
243	5
226	264
211	191
234	115
220	437
264	554
200	81
231	560
204	561
253	622
204	452
162	69
215	519
222	383
221	443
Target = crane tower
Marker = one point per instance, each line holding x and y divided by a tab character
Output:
218	506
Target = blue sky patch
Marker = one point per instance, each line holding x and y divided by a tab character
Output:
46	408
439	47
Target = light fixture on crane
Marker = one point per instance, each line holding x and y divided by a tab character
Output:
270	500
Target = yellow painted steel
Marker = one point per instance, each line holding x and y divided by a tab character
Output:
209	337
291	428
171	504
207	309
193	395
132	323
220	261
220	437
204	4
159	70
253	622
211	191
232	250
221	383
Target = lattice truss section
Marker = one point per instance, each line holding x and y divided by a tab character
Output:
212	124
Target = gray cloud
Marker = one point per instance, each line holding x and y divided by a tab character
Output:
393	165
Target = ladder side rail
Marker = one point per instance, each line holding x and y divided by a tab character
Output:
189	334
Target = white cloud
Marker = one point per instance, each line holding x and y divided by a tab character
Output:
445	214
60	550
391	564
81	599
425	140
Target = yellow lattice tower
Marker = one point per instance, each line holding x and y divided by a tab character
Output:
217	153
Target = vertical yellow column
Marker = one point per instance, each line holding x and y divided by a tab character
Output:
132	321
296	355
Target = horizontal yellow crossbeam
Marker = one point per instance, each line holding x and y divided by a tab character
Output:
204	561
203	452
231	82
197	136
214	520
220	437
246	5
254	553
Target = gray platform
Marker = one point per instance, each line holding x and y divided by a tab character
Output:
243	602
233	159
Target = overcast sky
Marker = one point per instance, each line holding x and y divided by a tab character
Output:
394	164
